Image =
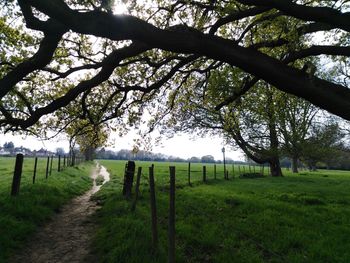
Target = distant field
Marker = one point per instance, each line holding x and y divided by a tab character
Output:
297	218
7	165
20	216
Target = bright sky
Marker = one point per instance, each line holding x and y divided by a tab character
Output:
119	7
181	145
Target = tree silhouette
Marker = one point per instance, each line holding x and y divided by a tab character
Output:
53	61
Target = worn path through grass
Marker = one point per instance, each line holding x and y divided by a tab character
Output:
67	237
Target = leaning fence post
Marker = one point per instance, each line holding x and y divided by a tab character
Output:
139	170
153	208
16	181
35	165
51	164
189	173
172	216
204	173
47	167
128	178
215	171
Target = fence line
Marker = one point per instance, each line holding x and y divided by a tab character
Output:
172	186
16	180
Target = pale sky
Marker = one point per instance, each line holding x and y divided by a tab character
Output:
180	146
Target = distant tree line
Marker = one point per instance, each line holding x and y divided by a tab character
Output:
157	157
324	150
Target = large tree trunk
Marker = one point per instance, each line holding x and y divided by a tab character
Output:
295	164
275	167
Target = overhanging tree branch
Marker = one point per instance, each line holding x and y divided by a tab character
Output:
107	69
332	97
307	13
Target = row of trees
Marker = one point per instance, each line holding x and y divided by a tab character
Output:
239	68
142	155
265	123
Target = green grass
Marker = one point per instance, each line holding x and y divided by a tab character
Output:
20	216
297	218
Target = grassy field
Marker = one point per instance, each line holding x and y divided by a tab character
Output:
20	216
297	218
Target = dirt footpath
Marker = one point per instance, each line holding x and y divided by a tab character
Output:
67	237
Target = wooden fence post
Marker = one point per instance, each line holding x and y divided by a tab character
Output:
128	178
189	173
233	170
35	166
51	164
16	181
153	208
47	167
138	178
73	160
215	171
204	173
239	170
59	163
171	255
64	161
